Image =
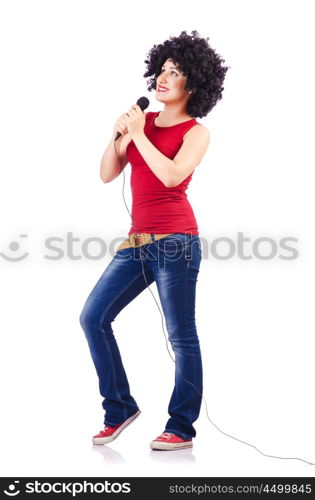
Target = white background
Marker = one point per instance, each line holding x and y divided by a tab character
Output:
69	69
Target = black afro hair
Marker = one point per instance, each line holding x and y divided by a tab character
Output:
198	62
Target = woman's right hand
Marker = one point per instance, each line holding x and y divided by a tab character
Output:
120	126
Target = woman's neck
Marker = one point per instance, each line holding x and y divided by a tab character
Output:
172	116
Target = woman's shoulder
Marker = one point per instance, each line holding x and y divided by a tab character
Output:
198	130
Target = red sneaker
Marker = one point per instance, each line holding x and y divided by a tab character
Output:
110	433
169	441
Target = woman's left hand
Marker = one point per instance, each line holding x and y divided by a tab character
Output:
135	120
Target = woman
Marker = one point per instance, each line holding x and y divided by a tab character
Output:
163	243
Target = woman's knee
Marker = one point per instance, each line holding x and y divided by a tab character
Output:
94	318
88	317
84	318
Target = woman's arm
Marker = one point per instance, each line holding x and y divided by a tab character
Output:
173	172
110	167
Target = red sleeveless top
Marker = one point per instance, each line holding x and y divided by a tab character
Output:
155	207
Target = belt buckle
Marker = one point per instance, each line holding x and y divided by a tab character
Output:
137	238
134	239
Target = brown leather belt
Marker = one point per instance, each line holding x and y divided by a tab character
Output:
137	239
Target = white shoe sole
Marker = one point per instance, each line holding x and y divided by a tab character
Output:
157	445
108	439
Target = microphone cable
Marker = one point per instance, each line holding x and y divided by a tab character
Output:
222	432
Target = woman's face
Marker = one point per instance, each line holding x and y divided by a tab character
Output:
174	81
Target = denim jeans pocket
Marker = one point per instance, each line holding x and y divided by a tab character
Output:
199	247
174	243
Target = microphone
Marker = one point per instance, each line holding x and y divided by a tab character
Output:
143	103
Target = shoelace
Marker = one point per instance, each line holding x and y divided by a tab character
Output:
105	428
167	435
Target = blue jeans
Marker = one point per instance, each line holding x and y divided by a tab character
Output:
173	263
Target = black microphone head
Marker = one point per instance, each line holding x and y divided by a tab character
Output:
143	103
